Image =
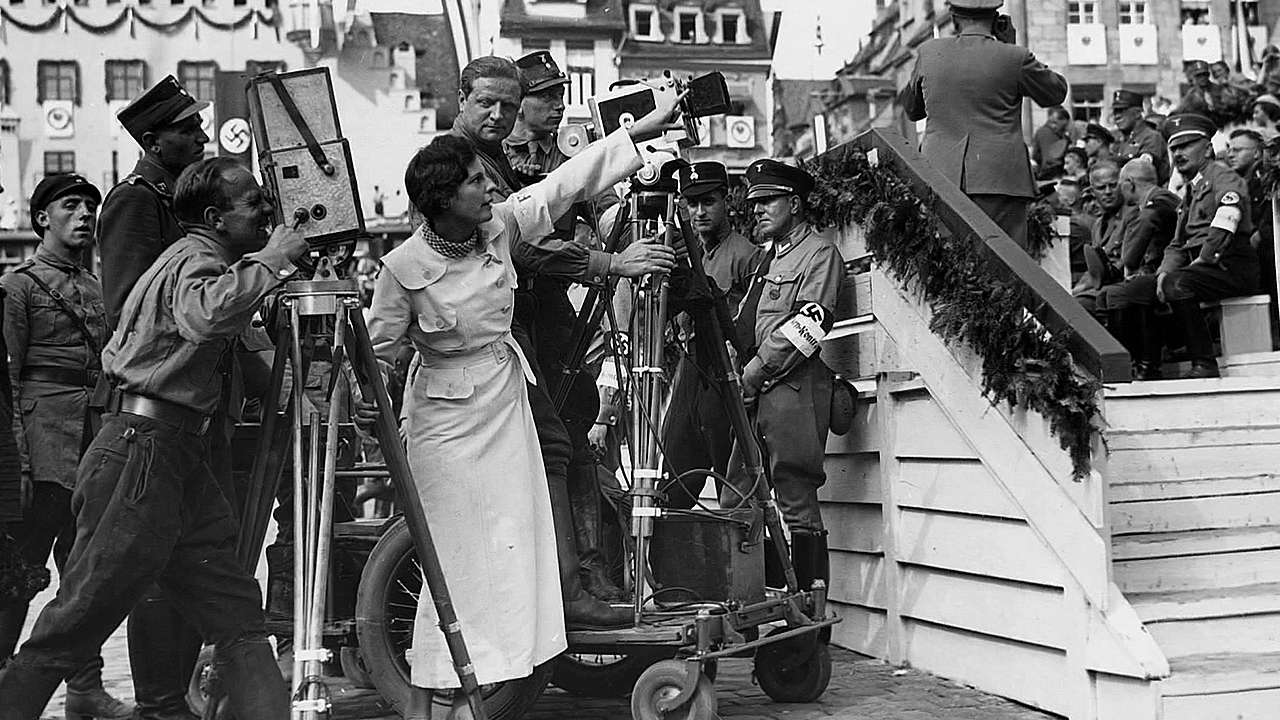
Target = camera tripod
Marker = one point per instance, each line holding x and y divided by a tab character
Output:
326	309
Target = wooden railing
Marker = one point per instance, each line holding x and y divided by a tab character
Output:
1092	347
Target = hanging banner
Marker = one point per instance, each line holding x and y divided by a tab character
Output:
231	117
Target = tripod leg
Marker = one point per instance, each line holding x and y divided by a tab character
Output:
365	364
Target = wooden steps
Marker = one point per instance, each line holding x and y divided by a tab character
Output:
1195	523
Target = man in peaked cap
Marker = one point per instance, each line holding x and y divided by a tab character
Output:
54	330
1210	256
971	87
1097	143
787	311
699	435
531	147
136	225
1138	139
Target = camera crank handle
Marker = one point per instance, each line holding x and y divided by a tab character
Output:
300	216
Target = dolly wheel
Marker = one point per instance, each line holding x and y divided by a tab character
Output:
663	681
795	670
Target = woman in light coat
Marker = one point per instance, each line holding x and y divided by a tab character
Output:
472	444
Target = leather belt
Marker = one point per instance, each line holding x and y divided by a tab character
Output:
169	413
76	377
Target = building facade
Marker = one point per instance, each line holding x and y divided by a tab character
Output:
66	69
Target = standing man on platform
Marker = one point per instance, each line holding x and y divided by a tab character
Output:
490	93
697	433
136	225
54	330
971	88
787	311
1050	143
1137	138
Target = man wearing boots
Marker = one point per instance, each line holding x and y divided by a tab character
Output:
490	93
697	434
1210	256
136	225
149	508
784	315
54	330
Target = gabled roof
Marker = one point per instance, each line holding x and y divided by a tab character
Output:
602	17
667	51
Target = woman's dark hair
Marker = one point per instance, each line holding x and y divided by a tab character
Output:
436	171
1271	111
202	185
489	66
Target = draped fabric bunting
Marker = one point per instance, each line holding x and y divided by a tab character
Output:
65	15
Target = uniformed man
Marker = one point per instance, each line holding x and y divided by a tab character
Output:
1097	143
1102	253
137	223
531	147
971	88
1137	138
1210	256
490	91
696	433
1152	220
783	317
54	330
150	509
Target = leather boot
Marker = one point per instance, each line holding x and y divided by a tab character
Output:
1135	333
581	610
1150	347
585	503
279	581
86	698
247	669
26	690
809	555
162	656
12	617
775	576
1190	317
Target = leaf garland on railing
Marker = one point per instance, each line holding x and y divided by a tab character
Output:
130	14
1022	363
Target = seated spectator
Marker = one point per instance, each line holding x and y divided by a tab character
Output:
1102	253
1075	163
1097	143
1265	113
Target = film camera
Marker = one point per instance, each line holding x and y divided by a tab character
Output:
629	100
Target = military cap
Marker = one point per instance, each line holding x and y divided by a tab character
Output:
1098	132
1156	121
1125	99
766	178
60	185
701	177
1267	99
164	103
1182	128
975	4
1195	67
538	72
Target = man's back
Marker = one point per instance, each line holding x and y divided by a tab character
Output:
970	87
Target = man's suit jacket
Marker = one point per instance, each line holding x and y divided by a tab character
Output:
971	88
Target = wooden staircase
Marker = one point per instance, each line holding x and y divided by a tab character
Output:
1194	508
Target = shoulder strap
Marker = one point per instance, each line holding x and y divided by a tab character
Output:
63	303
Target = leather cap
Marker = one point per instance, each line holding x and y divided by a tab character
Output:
164	103
538	72
701	177
1125	99
60	185
770	177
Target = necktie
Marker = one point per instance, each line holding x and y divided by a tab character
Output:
745	321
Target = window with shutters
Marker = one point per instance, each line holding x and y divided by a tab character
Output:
199	78
57	80
126	79
1087	102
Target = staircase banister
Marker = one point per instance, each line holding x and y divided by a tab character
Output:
1092	347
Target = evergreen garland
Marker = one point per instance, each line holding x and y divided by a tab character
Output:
1022	363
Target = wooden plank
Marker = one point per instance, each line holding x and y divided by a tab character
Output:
1138	488
1124	697
1214	602
1185	404
852	478
1092	347
1206	674
853	527
1198	572
1202	542
1027	613
1246	705
1232	634
924	431
860	629
863	435
1220	436
1027	673
1203	513
1196	461
982	546
858	579
890	518
961	486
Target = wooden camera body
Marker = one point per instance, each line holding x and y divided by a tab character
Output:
303	157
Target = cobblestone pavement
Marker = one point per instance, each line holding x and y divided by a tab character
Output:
860	689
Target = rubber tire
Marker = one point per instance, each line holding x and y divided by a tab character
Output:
353	667
615	679
796	670
391	562
664	679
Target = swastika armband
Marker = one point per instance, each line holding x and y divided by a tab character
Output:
807	327
1228	215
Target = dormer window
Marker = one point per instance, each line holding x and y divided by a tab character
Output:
644	22
689	25
731	27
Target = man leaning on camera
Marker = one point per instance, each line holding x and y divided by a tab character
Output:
148	508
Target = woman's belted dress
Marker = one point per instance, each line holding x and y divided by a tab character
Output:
471	441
